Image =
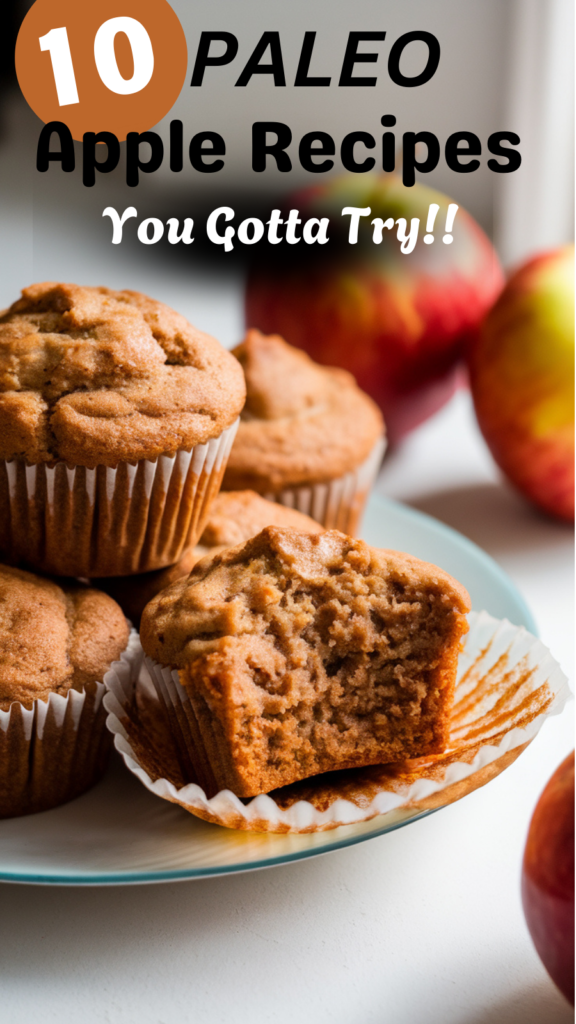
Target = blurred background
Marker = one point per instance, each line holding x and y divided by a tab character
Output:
505	65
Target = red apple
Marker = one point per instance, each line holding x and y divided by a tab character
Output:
397	321
548	878
522	378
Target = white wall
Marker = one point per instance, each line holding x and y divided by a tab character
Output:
505	64
466	93
535	206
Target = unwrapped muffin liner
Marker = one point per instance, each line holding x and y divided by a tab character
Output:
58	748
507	684
338	504
109	521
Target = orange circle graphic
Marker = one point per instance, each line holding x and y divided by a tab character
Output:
94	55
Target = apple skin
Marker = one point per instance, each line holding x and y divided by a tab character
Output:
522	380
548	878
398	322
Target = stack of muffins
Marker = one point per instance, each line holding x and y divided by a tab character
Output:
118	422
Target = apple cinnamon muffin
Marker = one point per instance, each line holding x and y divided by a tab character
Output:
116	418
296	654
56	645
234	517
308	438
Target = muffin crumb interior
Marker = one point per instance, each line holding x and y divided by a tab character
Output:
303	653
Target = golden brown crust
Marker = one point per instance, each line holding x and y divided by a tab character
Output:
302	423
306	653
54	638
94	377
235	516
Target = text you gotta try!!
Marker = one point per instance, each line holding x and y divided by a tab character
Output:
290	228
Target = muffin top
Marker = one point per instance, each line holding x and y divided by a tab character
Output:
302	423
54	638
235	516
94	377
238	593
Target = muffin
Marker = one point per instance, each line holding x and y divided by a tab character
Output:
56	644
309	438
116	419
234	517
296	654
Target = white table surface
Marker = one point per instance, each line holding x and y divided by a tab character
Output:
420	926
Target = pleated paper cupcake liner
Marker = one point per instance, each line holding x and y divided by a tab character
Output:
58	748
73	521
508	683
338	504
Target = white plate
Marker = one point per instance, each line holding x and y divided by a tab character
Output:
120	833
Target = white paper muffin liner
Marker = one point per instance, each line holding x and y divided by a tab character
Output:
339	504
53	751
109	521
508	683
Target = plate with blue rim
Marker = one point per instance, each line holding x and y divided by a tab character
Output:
119	833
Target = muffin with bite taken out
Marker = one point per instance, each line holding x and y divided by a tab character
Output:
295	654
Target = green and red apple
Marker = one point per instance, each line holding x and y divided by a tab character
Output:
522	379
398	321
548	878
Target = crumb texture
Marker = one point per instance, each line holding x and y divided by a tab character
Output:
306	653
302	422
93	377
54	638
